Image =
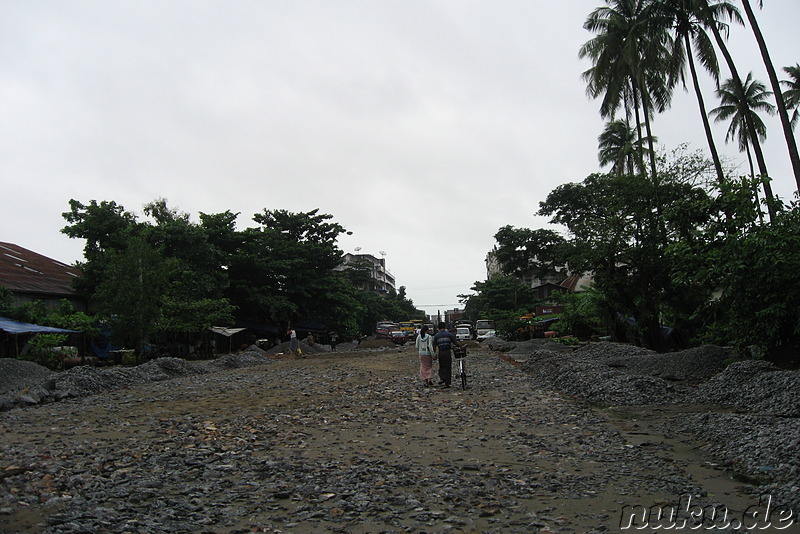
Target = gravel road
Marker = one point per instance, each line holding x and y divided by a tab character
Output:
352	442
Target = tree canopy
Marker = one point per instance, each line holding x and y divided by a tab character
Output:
169	274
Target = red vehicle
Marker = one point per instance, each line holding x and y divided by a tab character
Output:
397	336
383	328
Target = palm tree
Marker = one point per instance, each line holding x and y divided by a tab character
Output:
687	19
713	15
629	60
791	96
741	108
776	89
620	147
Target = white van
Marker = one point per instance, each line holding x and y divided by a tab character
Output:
463	333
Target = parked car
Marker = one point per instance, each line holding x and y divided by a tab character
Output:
487	334
397	336
383	328
463	333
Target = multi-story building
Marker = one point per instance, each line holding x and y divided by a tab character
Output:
573	283
382	279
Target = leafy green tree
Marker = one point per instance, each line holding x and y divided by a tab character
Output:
194	298
168	274
40	349
583	314
120	281
283	268
65	316
6	302
106	227
618	235
33	312
131	295
522	252
341	309
502	299
759	299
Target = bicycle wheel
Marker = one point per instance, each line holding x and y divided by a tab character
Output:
463	369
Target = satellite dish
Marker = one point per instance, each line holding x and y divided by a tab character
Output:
357	249
382	253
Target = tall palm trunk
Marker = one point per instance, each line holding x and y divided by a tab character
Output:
640	155
751	131
752	181
776	89
646	113
703	114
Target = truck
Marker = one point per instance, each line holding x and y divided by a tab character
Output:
482	326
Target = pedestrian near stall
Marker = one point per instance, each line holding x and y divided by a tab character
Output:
424	345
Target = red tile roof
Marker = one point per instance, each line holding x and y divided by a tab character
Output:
24	271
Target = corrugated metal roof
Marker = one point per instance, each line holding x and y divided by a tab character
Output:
25	271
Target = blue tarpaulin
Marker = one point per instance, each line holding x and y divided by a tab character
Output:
17	327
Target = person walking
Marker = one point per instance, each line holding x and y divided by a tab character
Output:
333	341
294	344
443	342
424	345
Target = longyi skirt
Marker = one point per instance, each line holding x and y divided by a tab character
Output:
426	366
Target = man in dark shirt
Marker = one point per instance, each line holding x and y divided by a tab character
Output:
443	342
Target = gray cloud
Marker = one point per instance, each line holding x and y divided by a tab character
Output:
421	126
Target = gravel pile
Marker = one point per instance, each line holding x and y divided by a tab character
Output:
620	375
760	441
756	387
283	348
25	383
762	449
16	375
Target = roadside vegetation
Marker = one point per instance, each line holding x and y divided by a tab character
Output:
675	238
670	237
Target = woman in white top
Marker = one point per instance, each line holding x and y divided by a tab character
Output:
425	349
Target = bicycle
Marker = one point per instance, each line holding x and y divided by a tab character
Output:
460	356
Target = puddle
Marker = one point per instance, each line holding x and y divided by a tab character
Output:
653	428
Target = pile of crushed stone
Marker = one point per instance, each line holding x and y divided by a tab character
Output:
617	375
284	348
19	374
26	383
755	386
760	439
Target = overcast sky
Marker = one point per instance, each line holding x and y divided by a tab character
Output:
421	126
